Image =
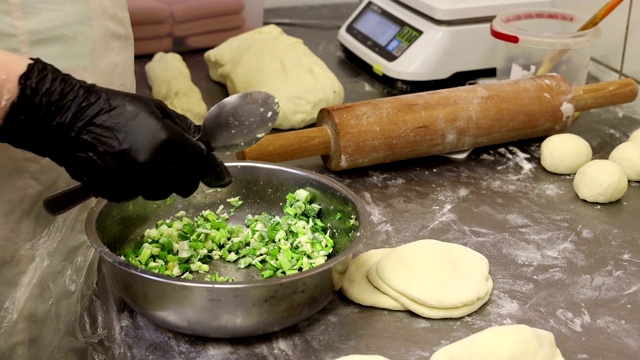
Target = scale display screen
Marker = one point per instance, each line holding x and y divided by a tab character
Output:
377	27
382	32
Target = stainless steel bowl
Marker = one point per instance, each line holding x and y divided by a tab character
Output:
251	305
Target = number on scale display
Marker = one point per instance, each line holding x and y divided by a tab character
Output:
407	35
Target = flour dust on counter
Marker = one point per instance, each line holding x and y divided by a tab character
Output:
486	205
516	159
543	248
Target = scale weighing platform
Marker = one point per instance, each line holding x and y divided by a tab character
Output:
427	42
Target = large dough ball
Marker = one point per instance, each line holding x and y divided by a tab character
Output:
600	181
635	136
269	60
564	153
505	342
627	155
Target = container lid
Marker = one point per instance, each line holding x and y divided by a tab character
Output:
544	28
446	10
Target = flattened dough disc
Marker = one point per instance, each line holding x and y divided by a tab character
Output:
357	287
503	343
436	274
423	310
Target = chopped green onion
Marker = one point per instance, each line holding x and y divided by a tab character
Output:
277	245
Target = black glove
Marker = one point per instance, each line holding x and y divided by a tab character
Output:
119	145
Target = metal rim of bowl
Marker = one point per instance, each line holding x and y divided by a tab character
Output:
114	259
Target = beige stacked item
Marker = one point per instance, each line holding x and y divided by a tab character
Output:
198	24
431	278
151	25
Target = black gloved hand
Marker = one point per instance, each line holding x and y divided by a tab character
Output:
119	145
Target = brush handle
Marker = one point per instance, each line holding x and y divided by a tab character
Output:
553	57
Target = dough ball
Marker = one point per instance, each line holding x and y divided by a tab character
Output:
600	181
362	357
635	136
506	342
564	153
357	287
269	60
170	81
434	279
627	155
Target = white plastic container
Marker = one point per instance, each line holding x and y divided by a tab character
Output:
528	38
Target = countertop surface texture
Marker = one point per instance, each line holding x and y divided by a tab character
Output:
558	263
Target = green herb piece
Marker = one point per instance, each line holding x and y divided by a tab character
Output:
277	245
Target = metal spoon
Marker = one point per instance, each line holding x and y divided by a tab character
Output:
239	121
231	125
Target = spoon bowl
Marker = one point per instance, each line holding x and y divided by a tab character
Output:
239	121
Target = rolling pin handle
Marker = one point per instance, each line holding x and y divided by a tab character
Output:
599	95
290	145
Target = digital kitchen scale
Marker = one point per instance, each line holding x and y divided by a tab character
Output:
418	41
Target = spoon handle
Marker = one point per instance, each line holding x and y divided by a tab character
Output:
66	199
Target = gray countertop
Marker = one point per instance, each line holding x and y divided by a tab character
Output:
558	263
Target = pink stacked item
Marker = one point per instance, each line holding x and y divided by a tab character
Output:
151	25
187	24
197	24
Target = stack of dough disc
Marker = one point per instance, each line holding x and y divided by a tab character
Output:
431	278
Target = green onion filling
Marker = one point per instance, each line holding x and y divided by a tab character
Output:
276	245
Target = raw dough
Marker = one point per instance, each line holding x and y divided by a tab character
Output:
505	342
564	153
170	81
436	273
627	155
357	287
600	181
635	136
434	279
423	310
362	357
267	59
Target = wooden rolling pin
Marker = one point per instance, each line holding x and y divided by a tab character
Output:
439	122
